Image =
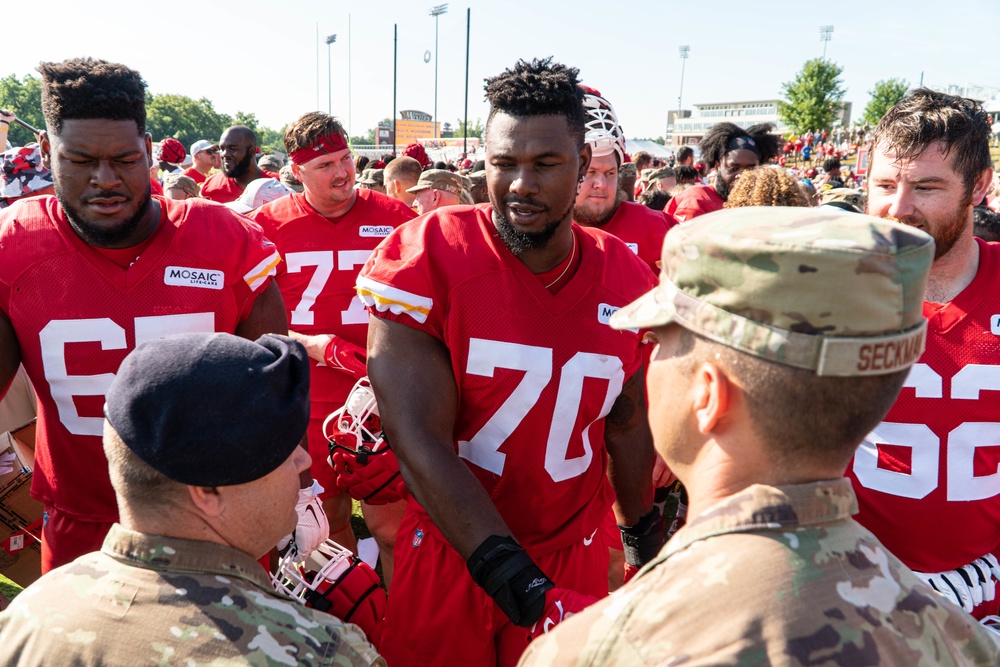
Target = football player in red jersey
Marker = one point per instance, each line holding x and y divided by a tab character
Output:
91	273
927	478
325	235
600	202
509	400
238	150
729	150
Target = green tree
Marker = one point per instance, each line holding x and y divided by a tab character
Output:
476	129
184	119
813	100
885	96
24	98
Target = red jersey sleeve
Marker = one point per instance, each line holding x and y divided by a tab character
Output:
397	282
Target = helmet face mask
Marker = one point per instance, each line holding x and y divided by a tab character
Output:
357	424
604	134
292	578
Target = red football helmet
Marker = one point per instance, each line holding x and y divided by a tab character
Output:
364	465
344	586
356	424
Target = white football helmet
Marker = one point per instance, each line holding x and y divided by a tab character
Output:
604	134
357	423
291	576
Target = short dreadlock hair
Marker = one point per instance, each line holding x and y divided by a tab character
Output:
539	88
713	146
926	117
85	88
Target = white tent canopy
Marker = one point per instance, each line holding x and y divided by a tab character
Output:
633	146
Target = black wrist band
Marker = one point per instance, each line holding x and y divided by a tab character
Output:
502	568
643	540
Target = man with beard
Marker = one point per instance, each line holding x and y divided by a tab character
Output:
238	148
506	396
600	202
100	268
324	235
729	150
926	478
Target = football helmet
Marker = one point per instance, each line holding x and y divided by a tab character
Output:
364	465
604	134
343	586
357	424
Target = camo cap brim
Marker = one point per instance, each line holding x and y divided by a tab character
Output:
835	294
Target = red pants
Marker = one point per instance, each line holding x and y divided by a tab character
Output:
319	448
437	615
64	539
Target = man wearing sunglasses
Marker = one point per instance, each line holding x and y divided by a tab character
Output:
205	156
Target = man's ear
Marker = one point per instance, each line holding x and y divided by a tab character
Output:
45	146
208	499
711	391
586	154
981	186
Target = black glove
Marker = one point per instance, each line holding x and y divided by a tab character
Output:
502	568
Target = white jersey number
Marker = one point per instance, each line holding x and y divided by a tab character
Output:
485	356
962	483
57	334
322	260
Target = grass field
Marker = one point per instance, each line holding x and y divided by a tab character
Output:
8	588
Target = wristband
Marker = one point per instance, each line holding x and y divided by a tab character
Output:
502	568
5	122
643	540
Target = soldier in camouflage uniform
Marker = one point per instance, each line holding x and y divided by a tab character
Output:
202	437
783	336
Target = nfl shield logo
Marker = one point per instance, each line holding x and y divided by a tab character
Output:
418	537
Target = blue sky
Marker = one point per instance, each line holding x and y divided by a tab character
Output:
261	57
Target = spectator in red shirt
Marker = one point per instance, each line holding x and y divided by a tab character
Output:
206	157
239	166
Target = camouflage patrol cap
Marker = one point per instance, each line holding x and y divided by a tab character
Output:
849	199
372	177
439	179
809	288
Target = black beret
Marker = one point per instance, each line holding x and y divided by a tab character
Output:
212	409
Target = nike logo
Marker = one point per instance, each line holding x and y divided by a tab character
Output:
588	540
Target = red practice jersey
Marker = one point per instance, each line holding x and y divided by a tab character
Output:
927	477
536	372
642	229
219	187
320	263
77	314
195	175
696	200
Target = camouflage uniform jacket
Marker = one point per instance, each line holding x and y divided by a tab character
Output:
772	576
151	600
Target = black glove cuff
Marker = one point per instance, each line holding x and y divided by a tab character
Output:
643	540
502	568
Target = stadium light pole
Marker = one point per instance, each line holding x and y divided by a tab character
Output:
330	39
825	34
436	12
684	50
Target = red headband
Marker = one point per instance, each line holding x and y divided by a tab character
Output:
328	143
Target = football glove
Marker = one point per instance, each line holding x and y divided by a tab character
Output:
365	466
346	357
560	604
313	527
344	586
